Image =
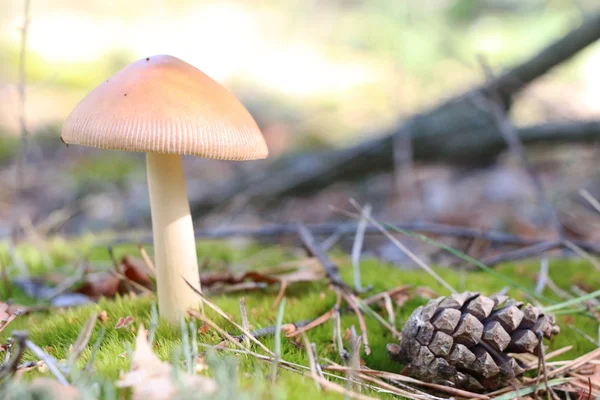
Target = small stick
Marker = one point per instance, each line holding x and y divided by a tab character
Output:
331	270
311	360
280	293
354	355
222	314
313	347
351	300
83	339
542	277
147	259
216	327
405	250
10	319
11	364
312	324
590	199
493	103
389	307
346	228
525	252
357	246
582	253
245	323
542	367
337	329
48	360
403	378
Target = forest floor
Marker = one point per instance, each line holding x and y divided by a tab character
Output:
105	356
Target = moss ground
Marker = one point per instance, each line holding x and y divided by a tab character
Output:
57	330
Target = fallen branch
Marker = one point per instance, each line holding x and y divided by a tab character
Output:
325	229
454	131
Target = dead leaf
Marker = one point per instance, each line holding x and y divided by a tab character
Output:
124	322
56	390
150	378
137	271
99	285
304	271
8	313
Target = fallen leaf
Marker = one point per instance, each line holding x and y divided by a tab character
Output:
137	271
55	389
99	285
8	313
150	378
124	322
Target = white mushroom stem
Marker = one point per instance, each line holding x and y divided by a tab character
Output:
174	244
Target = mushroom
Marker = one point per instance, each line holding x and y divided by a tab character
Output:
166	108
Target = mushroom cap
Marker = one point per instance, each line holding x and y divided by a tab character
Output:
162	104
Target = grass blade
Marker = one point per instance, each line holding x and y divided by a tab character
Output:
277	340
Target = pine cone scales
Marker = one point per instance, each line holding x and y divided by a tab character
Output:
463	340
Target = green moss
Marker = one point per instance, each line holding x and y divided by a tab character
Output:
56	331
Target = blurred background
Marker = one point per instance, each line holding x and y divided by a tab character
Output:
320	77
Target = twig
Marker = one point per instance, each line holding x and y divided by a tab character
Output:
511	136
331	270
357	246
407	379
311	360
590	199
245	323
83	339
354	363
389	307
10	319
312	324
405	250
542	367
280	293
216	327
337	333
352	302
218	310
526	252
582	253
11	363
48	360
542	277
283	230
147	259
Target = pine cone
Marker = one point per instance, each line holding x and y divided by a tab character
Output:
463	340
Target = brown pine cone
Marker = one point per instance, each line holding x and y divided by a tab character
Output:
463	340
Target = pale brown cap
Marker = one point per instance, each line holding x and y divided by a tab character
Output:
162	104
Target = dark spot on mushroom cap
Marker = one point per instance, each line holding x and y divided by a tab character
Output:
125	94
147	58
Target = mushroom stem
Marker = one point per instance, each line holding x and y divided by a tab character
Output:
174	244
